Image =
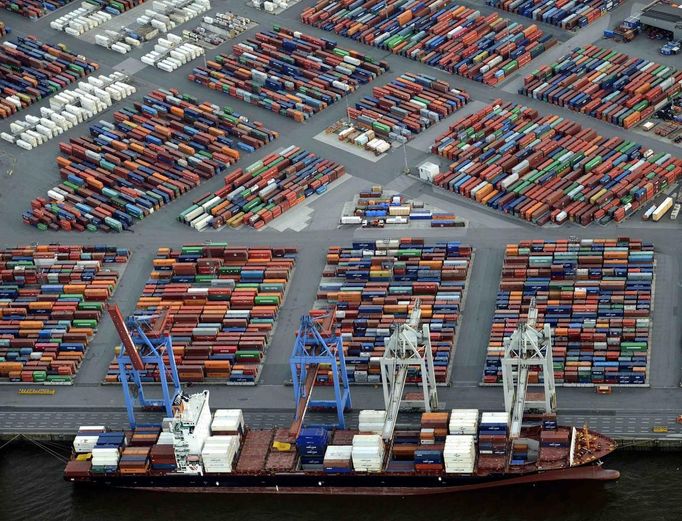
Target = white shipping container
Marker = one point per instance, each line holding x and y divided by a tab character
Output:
105	451
494	418
367	440
399	210
338	452
84	444
428	170
371	421
202	222
383	147
662	209
228	421
351	219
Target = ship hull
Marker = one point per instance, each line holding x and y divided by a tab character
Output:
298	483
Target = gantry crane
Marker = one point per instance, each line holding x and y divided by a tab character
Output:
528	348
317	343
146	343
407	346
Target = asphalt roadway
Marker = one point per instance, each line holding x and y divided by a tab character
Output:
313	227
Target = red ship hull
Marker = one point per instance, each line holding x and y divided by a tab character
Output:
587	473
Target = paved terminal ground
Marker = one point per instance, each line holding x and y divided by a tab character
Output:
628	412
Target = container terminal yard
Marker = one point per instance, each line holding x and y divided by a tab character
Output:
643	413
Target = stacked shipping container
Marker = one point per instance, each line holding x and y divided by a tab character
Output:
407	106
492	440
375	206
442	444
264	190
32	8
51	301
374	284
538	168
67	109
288	72
449	36
154	152
605	84
91	14
596	294
31	70
567	14
223	302
115	7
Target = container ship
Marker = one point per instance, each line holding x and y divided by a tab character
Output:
195	450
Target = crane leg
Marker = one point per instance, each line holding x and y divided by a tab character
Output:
123	376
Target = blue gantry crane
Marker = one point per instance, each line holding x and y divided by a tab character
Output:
317	343
146	345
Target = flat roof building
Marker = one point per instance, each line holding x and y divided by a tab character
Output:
663	16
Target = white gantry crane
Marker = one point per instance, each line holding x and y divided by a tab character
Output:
528	348
408	345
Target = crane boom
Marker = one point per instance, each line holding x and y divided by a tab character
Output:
124	335
393	401
147	346
304	400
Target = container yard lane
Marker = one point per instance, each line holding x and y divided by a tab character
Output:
25	175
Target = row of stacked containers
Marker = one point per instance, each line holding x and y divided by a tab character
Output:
288	72
263	190
374	284
222	306
567	14
51	301
31	70
543	169
32	8
37	8
112	7
454	442
407	106
154	152
605	84
440	33
597	296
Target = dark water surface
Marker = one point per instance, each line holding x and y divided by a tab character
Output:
650	488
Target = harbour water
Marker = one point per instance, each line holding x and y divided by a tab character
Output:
650	488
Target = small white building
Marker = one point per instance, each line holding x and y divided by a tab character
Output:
428	170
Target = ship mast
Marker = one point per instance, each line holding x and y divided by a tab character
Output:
528	348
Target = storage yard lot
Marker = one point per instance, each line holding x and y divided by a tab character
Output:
25	175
